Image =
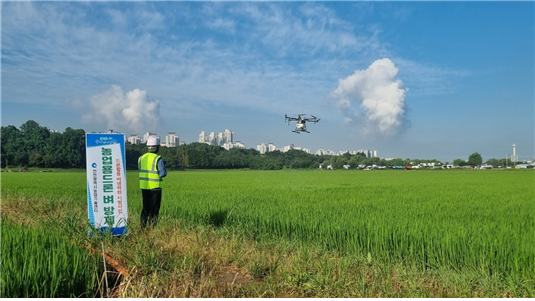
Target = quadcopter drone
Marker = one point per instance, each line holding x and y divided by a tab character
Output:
301	122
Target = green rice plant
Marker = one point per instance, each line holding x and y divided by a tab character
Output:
430	219
43	264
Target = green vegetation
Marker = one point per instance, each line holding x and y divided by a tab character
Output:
441	233
37	263
476	159
35	146
430	219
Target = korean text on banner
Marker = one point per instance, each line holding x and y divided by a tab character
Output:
106	182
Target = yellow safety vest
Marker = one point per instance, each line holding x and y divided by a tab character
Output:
148	171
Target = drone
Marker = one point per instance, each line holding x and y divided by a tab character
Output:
301	122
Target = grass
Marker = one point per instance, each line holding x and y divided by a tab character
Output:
43	264
309	233
432	219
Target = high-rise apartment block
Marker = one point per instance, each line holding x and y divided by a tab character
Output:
264	148
147	135
368	153
172	140
229	145
325	152
134	139
226	138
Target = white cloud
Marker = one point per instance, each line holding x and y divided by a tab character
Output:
308	30
133	111
380	97
222	24
147	19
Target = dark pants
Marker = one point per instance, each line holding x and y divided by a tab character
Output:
152	198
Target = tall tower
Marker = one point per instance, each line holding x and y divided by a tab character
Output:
514	157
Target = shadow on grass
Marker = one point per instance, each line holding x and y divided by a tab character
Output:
218	218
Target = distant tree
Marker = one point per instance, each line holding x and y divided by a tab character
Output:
11	145
363	155
34	134
494	162
347	156
181	158
475	159
304	163
34	137
197	158
73	148
459	162
338	162
237	158
223	160
52	156
397	162
24	147
354	161
273	164
132	153
360	158
263	162
372	161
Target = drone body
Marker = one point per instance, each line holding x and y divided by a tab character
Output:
300	126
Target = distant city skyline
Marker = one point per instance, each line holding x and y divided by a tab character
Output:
227	140
264	147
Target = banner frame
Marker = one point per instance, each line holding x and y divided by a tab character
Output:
107	202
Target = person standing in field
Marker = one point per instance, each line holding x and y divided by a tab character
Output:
151	169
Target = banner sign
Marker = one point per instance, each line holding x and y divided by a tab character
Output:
106	182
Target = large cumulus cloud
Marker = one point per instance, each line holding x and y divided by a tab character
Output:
373	99
132	111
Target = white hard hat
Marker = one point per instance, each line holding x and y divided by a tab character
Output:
153	141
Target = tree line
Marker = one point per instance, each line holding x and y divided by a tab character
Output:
33	145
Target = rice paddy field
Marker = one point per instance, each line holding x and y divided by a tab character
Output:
429	222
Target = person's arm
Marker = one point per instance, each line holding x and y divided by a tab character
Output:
162	172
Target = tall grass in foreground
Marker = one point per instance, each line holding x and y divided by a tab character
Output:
44	264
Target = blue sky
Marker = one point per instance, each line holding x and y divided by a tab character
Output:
427	80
